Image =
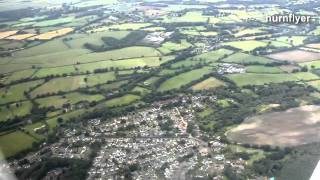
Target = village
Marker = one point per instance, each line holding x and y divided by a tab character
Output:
151	143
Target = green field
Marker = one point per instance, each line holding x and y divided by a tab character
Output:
246	45
129	26
54	22
121	101
71	98
13	111
71	83
209	57
259	79
263	69
21	141
182	79
242	58
169	47
16	92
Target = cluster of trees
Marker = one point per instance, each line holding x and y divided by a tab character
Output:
111	43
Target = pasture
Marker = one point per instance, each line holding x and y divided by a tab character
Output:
246	45
292	127
184	78
242	58
263	69
122	101
71	83
259	79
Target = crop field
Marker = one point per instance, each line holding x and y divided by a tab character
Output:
242	58
295	56
293	127
52	34
7	33
246	45
316	45
121	101
183	79
259	79
20	36
209	83
263	69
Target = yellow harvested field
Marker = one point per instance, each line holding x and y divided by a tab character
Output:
20	36
5	34
209	83
316	46
52	34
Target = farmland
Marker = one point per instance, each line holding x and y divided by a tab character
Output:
79	78
287	128
295	56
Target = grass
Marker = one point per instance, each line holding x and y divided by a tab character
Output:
248	32
246	45
305	76
315	84
71	83
206	112
129	26
315	64
263	69
141	90
71	98
16	92
15	142
209	83
54	22
20	75
293	40
209	57
169	47
121	101
23	109
184	78
259	79
242	58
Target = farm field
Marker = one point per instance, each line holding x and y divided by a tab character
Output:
81	79
71	83
183	79
263	69
209	83
16	92
121	101
259	79
242	58
295	56
293	127
246	45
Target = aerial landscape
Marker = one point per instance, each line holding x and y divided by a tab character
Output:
159	89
